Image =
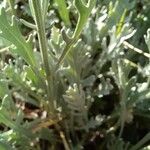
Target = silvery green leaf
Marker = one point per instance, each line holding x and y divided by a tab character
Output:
44	8
94	122
63	11
75	98
147	39
84	12
11	33
104	87
89	81
31	8
146	70
142	86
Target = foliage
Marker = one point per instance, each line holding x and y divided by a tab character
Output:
70	77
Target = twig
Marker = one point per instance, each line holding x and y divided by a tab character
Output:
128	45
66	145
46	123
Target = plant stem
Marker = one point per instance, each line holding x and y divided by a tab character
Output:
66	145
128	45
145	139
40	23
67	48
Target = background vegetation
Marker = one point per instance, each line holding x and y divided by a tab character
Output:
74	74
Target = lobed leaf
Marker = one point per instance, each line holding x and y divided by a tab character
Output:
11	33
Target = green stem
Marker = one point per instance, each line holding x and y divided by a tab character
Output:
145	139
66	50
44	50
